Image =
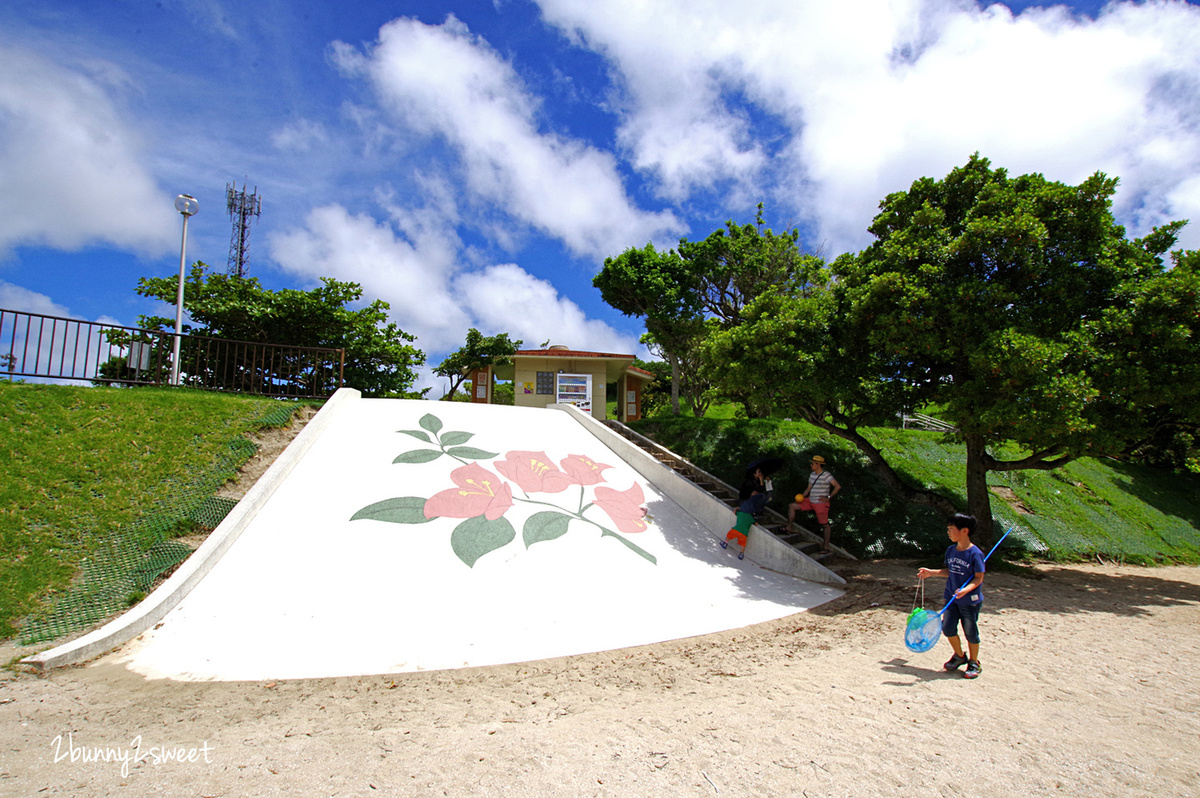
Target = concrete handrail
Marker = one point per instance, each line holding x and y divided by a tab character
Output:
762	547
776	516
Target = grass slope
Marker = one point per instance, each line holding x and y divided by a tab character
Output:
85	468
1087	509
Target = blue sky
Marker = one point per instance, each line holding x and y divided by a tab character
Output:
473	163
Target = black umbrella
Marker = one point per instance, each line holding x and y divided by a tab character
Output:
769	465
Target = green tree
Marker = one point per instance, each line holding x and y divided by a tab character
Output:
689	295
1149	344
734	265
504	393
479	352
379	360
798	350
660	288
683	376
1017	305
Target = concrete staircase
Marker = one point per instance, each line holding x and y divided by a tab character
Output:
803	540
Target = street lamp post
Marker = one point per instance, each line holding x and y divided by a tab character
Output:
186	204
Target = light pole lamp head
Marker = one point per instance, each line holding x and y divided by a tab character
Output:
186	204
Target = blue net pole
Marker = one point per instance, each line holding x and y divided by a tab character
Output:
923	628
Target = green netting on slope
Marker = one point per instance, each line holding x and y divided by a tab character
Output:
211	512
1090	527
122	569
1101	539
277	417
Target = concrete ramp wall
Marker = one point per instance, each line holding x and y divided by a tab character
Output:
410	535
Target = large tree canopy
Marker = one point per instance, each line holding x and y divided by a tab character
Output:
733	265
379	360
798	350
1016	305
688	296
1019	307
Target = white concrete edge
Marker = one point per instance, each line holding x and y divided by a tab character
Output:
762	547
154	607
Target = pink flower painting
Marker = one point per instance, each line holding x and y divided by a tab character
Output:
625	507
533	472
479	492
583	469
482	498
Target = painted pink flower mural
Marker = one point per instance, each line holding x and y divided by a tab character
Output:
533	472
483	499
625	507
584	470
479	492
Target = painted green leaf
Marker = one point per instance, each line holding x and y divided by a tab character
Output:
455	438
416	433
630	545
478	536
400	510
418	456
471	453
431	423
544	526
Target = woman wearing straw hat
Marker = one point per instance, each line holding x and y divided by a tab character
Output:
821	488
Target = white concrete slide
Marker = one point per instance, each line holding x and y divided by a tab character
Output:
401	535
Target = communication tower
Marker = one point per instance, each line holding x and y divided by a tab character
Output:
242	208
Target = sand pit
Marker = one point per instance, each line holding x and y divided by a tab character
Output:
1090	688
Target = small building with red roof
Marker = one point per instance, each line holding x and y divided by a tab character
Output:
559	374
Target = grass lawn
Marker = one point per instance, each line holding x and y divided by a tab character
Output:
85	468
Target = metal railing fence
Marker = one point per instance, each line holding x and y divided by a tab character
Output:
57	348
922	421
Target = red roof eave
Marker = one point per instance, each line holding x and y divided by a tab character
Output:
568	353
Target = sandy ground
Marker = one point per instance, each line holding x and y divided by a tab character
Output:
1089	688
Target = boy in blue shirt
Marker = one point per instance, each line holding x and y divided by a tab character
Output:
964	574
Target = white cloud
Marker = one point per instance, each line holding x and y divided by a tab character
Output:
209	15
677	63
445	82
506	298
415	267
358	248
1042	92
1184	201
874	94
71	169
299	135
21	299
41	347
15	297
